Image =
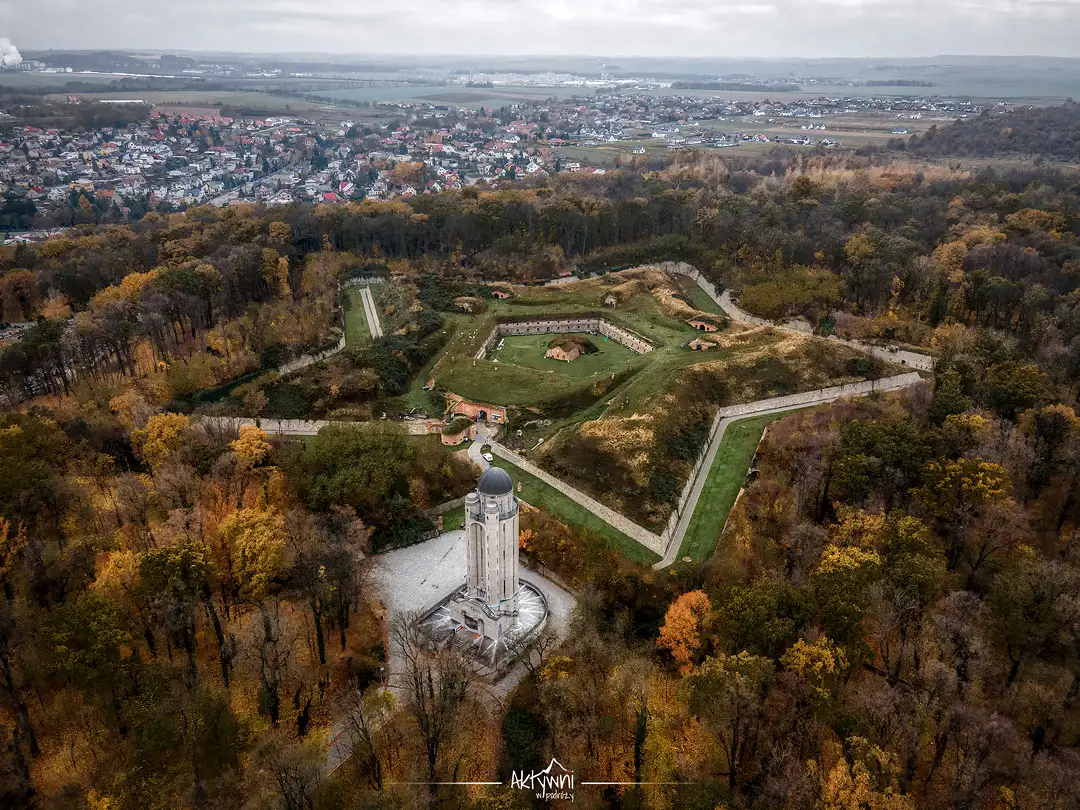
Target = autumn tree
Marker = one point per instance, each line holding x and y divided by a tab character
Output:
684	623
728	693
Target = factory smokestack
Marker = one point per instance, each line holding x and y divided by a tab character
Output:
9	54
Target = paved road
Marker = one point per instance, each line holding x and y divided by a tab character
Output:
484	432
371	312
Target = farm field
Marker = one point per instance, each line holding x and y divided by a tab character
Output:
454	94
247	99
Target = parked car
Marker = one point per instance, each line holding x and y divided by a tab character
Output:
488	458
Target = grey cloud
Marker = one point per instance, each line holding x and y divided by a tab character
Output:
719	28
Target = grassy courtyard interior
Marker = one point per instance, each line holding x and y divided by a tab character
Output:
529	351
649	303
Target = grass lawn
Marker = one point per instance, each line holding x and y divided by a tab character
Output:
454	519
523	377
723	484
357	332
700	299
527	351
536	493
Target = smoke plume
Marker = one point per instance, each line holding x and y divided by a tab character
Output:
9	54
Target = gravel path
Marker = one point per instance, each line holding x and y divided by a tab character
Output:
371	312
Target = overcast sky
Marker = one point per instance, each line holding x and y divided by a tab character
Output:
719	28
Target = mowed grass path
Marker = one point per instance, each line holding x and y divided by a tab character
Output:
357	332
536	493
722	487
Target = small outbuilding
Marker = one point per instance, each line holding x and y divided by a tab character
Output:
700	345
565	353
569	348
704	323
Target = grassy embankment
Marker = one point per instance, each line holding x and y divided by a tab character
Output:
536	493
725	479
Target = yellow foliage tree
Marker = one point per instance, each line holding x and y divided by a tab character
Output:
962	485
816	663
163	436
683	625
859	529
855	786
251	447
257	540
949	260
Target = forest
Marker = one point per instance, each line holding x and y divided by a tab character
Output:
891	618
1049	133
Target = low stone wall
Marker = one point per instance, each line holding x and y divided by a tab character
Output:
822	395
609	516
311	359
361	281
548	326
443	508
296	427
792	401
688	488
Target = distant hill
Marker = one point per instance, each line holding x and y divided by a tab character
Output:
1052	133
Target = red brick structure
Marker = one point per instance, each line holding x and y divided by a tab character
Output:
562	353
459	406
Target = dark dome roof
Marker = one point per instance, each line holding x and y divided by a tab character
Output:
495	482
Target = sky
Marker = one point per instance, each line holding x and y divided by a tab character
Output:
717	28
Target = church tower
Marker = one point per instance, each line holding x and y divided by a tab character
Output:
489	606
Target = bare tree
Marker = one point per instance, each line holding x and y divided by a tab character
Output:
435	686
367	722
533	650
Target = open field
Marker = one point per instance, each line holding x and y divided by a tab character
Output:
722	485
246	99
536	493
455	95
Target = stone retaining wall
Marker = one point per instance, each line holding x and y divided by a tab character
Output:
306	360
790	402
362	280
548	326
443	508
822	395
295	427
609	516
